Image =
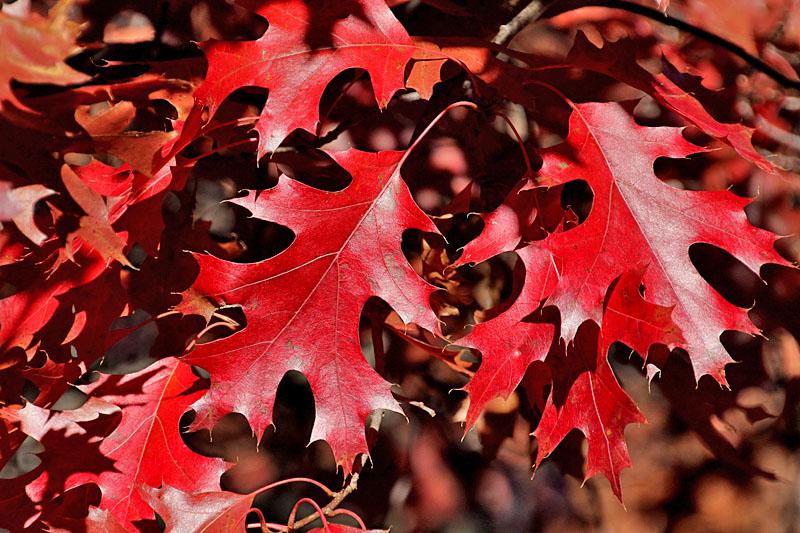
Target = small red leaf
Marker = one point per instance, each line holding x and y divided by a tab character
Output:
35	49
146	446
587	396
200	511
508	346
306	46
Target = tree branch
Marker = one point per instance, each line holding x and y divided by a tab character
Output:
654	14
338	498
529	14
537	8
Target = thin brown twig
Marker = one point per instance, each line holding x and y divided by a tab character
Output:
338	498
529	14
320	514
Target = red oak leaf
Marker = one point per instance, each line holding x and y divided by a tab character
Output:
51	379
141	150
18	207
71	444
90	310
146	446
109	121
630	319
66	512
18	507
134	198
504	227
508	346
26	312
68	317
105	180
201	511
618	59
303	305
306	46
587	396
34	50
638	220
95	227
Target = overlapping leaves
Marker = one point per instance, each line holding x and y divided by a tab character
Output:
85	245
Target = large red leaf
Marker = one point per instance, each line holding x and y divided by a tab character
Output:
636	220
303	306
306	46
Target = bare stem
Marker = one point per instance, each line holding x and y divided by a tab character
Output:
520	142
221	148
442	113
319	513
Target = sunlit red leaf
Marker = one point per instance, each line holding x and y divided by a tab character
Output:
306	45
346	249
636	220
35	49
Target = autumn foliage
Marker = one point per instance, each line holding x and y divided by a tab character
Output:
203	200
